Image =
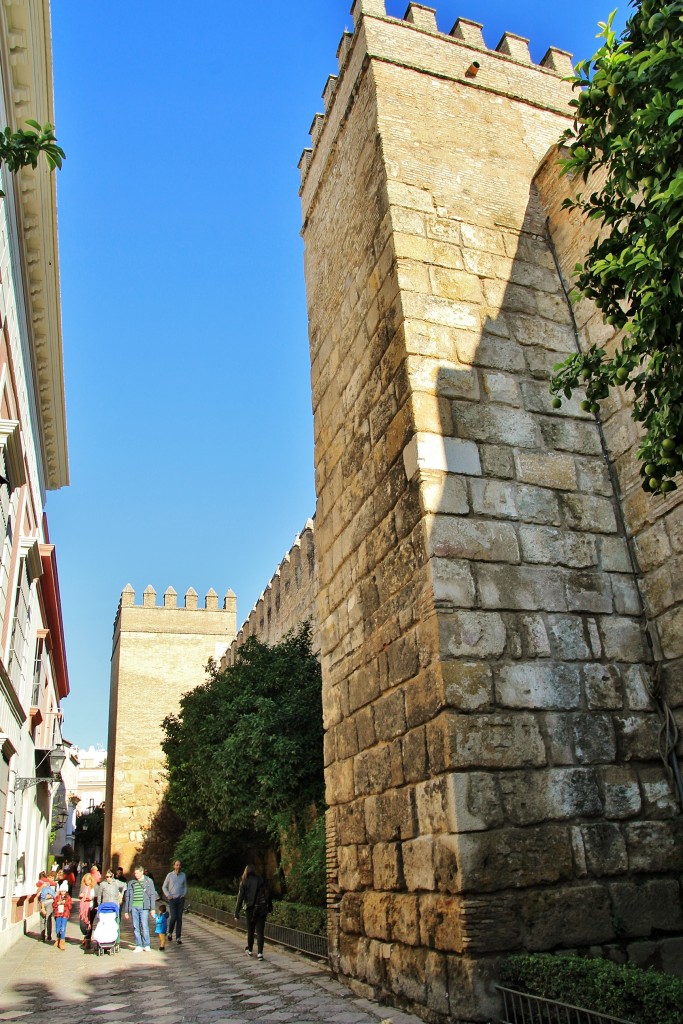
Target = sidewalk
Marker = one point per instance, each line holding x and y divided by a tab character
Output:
207	980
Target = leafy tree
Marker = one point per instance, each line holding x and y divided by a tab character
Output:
629	122
22	148
244	754
89	831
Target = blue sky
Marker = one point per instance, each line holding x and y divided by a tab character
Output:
183	301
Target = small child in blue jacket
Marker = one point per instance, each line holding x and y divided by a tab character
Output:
161	927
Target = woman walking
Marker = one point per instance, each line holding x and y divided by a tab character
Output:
86	908
255	896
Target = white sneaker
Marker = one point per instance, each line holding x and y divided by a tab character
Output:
146	949
138	949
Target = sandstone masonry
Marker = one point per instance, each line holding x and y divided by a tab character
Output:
491	752
159	653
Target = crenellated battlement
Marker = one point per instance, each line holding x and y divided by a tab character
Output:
415	42
170	600
288	599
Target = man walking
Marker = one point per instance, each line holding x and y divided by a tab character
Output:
139	904
175	891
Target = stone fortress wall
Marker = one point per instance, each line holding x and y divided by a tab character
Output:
654	527
491	753
287	601
158	654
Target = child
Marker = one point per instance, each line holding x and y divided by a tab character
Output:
61	911
162	925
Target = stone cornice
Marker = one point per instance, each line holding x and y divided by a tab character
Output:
27	60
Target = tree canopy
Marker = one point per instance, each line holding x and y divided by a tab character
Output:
244	753
629	122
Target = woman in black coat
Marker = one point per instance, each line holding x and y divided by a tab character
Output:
254	896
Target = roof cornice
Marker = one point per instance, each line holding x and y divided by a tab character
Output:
28	63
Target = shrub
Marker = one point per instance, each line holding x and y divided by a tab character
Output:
618	990
290	915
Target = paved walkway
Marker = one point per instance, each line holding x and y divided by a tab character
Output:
207	980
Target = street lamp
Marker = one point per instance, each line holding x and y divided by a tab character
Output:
55	759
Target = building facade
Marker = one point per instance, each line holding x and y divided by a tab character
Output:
33	459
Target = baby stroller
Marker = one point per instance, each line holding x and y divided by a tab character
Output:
106	930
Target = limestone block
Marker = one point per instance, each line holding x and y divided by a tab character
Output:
442	922
494	350
654	845
444	492
484	741
454	537
602	685
351	912
588	591
405	920
518	427
534	636
472	635
604	848
470	994
390	816
339	783
346	738
350	874
550	469
594	738
446	869
671	953
351	823
433	453
452	582
670	627
623	638
579	916
558	547
348	953
414	752
659	800
637	736
424	697
418	864
370	964
468	685
588	512
568	637
494	497
551	794
403	663
372	770
621	792
538	685
496	461
520	587
387	868
406	974
641	908
364	686
514	858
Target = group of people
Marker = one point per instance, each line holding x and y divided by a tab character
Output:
137	899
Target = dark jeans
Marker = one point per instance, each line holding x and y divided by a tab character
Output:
46	926
175	916
255	923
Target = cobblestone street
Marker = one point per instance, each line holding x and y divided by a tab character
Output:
207	980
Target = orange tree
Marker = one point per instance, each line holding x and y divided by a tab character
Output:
629	121
245	752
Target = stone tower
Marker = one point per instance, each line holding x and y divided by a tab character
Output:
158	654
491	761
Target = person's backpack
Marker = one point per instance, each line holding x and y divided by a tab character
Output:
262	903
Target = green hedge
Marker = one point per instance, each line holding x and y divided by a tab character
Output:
291	915
617	990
